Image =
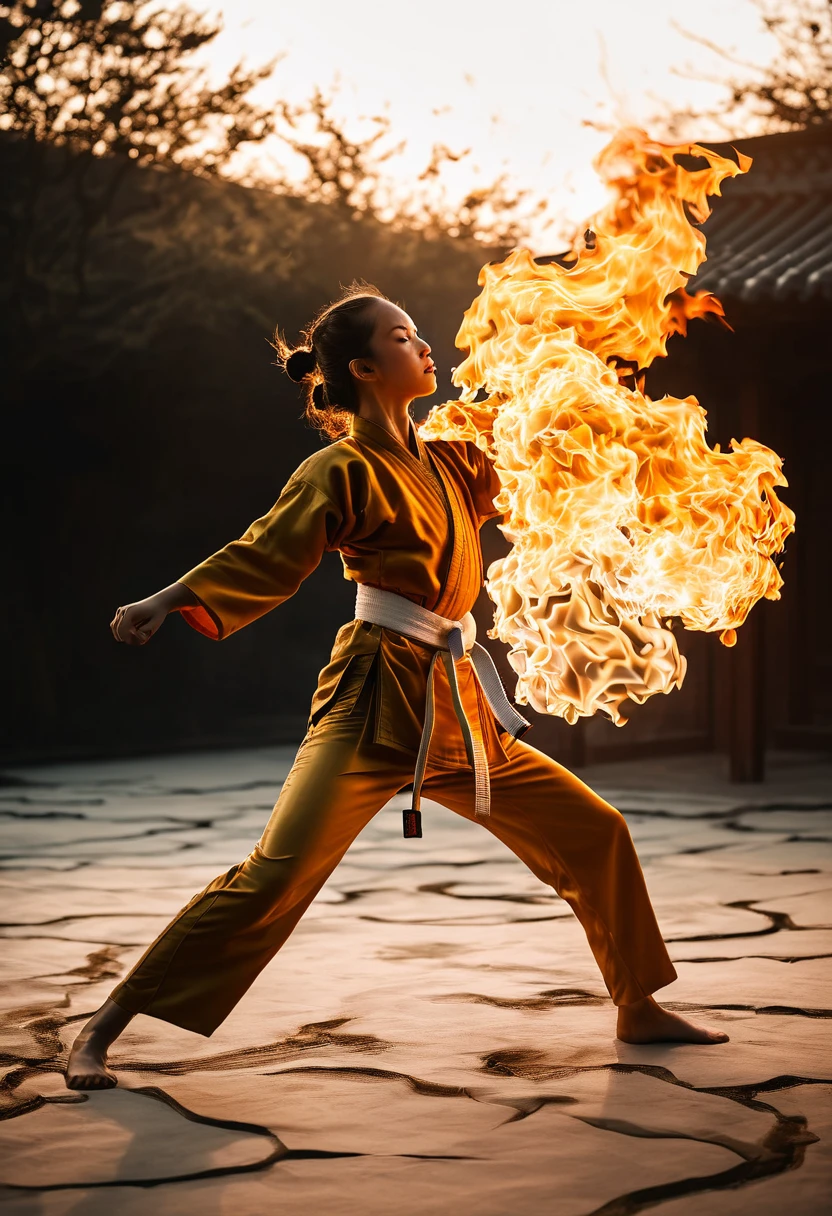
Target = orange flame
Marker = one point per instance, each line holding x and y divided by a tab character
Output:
619	513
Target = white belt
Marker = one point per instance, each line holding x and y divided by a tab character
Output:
452	640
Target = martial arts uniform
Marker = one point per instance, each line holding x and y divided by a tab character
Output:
406	520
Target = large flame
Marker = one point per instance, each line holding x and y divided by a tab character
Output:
620	515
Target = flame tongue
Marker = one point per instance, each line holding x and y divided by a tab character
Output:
619	513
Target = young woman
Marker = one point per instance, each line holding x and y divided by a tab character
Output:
405	516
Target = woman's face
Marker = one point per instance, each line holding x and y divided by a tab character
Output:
401	362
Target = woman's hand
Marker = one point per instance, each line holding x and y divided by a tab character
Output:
136	623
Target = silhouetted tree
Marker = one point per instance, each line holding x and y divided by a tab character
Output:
347	171
83	80
792	92
109	77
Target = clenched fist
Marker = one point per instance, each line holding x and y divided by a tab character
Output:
136	623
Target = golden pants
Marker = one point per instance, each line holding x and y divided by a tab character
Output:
200	966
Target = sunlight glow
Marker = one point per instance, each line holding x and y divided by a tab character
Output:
515	85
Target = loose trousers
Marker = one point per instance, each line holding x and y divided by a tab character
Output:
202	963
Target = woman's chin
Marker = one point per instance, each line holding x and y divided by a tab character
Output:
429	388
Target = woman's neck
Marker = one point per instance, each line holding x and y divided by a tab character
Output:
395	420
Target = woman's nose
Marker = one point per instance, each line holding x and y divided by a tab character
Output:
425	348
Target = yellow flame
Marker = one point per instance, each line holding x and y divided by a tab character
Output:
619	513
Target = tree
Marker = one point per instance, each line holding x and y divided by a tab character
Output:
348	172
792	92
83	81
107	77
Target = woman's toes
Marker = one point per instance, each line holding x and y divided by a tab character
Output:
91	1080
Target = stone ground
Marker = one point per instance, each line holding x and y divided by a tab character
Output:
435	1037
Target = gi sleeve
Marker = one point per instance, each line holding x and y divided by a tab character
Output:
484	483
254	574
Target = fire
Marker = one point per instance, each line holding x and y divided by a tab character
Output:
620	515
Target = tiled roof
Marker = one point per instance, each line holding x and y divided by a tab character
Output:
770	235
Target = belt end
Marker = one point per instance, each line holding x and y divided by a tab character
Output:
411	823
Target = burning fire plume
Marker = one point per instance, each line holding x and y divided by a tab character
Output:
620	515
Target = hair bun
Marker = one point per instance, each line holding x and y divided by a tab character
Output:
300	363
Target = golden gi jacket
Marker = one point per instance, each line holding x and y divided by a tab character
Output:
403	522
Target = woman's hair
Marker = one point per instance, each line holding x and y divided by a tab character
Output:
339	333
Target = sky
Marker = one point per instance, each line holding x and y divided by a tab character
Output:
516	83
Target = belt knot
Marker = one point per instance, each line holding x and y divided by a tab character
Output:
452	640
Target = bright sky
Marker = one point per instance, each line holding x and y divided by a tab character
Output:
514	82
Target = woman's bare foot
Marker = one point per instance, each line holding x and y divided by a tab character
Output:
645	1021
87	1064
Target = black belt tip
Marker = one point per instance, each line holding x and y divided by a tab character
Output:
411	823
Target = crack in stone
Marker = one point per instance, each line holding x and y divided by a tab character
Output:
67	866
311	1037
695	850
176	825
554	998
451	921
186	791
725	816
778	1010
778	921
457	865
46	937
280	1151
770	958
751	828
786	873
12	780
559	997
29	815
25	800
623	1127
785	1151
445	888
745	808
42	1022
431	1089
782	1149
62	920
101	964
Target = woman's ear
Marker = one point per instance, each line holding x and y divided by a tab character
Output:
362	370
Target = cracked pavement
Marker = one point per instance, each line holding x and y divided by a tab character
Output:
435	1036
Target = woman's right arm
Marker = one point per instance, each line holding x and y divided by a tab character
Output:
252	575
136	623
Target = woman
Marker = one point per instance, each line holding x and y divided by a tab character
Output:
405	516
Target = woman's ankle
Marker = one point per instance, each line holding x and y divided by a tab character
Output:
105	1025
642	1003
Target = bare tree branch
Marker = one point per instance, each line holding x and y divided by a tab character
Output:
792	92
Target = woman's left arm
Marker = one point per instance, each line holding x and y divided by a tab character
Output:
484	483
